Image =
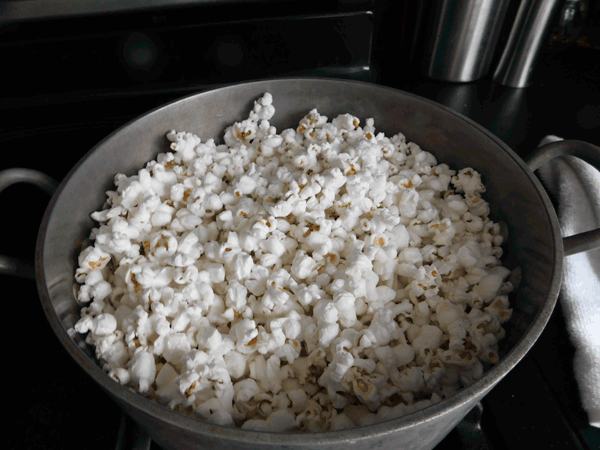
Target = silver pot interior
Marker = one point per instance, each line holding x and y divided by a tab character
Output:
515	195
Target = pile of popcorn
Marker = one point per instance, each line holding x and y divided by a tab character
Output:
323	278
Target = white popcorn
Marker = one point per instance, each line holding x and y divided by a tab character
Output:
236	295
280	420
94	288
303	266
345	304
313	279
489	286
208	338
92	258
411	380
104	324
213	412
404	353
428	340
236	364
309	295
142	370
177	345
245	331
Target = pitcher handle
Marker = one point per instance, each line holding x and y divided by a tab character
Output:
589	153
8	177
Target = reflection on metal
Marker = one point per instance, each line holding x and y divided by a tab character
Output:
470	432
505	119
18	10
461	38
526	37
460	98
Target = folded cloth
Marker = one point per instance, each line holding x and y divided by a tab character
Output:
576	185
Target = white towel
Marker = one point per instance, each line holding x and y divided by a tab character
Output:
577	184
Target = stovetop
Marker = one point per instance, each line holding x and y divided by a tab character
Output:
58	407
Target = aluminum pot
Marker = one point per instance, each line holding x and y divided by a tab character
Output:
515	195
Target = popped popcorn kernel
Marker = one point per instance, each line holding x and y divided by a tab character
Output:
320	278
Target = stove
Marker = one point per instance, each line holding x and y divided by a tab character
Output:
73	76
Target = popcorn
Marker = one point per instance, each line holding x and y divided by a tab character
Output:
92	258
142	370
104	324
428	340
177	346
303	266
322	278
95	287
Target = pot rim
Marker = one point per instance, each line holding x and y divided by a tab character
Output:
191	424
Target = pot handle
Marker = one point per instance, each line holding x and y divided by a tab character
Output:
581	242
8	177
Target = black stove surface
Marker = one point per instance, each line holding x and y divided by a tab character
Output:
58	406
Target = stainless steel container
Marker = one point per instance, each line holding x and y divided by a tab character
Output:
460	37
526	38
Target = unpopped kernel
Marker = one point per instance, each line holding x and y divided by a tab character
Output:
322	278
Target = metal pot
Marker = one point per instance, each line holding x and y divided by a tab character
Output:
515	195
